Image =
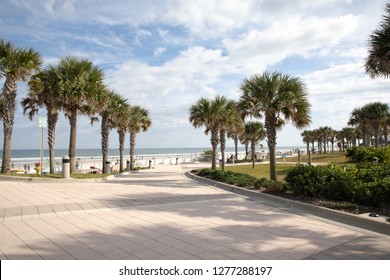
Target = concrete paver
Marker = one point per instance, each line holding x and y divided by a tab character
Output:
160	214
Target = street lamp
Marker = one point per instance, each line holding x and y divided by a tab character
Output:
42	125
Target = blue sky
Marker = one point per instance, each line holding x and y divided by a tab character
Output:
165	55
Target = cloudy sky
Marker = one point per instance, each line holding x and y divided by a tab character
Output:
165	55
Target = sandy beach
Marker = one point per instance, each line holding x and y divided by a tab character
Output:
85	164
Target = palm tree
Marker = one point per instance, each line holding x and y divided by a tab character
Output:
121	123
280	98
376	113
255	132
43	93
139	121
16	64
308	137
108	113
361	120
82	91
209	113
227	121
325	133
236	128
378	61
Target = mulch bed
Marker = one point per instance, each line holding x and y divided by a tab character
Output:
337	205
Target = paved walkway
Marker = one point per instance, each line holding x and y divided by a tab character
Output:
161	214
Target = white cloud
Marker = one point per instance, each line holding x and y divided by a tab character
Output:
293	36
158	51
209	46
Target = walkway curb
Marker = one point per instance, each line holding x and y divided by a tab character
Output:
300	208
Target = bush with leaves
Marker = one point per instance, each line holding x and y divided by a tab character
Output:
367	154
339	184
229	177
306	180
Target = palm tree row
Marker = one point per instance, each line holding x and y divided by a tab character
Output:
16	64
277	97
369	123
73	86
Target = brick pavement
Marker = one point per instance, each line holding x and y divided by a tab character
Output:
160	214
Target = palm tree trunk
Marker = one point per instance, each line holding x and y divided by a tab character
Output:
72	140
376	135
51	135
222	136
236	148
308	153
121	136
271	139
9	96
6	164
132	149
105	131
214	144
253	146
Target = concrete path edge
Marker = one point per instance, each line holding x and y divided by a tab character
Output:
300	208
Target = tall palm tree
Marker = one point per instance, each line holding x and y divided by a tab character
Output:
121	120
361	121
255	132
16	64
209	113
325	133
378	61
228	120
376	113
280	98
82	92
43	93
308	137
236	128
139	121
108	114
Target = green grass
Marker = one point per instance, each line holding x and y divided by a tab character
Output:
335	158
260	170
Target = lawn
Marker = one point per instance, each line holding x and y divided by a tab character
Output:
260	170
335	158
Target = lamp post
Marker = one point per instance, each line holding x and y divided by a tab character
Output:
42	125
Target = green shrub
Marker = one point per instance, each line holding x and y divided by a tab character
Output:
229	177
306	180
274	186
259	183
339	185
329	182
367	154
376	193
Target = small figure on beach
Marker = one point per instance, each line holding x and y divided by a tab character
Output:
38	168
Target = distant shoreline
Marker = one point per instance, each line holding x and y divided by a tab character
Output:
20	154
92	157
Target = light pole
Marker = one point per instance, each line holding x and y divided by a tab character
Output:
42	125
